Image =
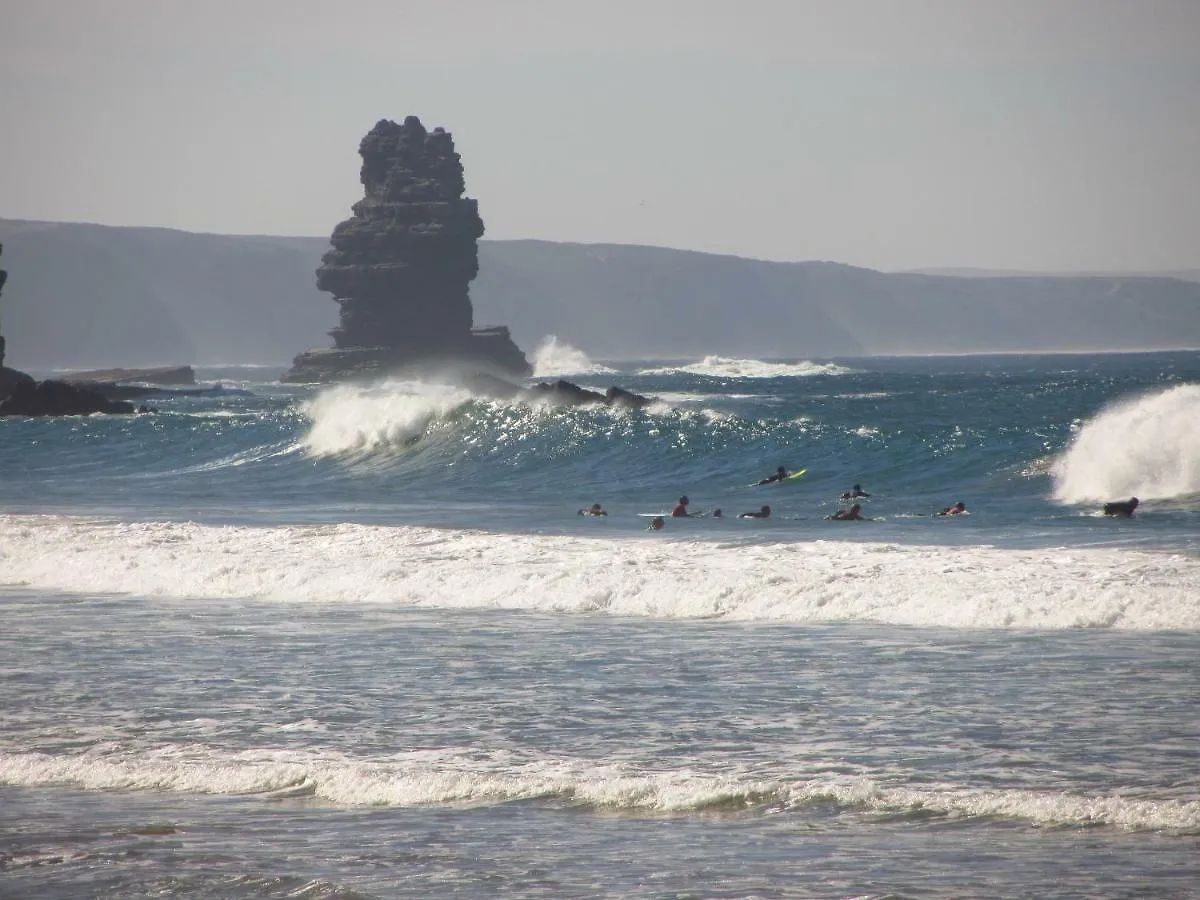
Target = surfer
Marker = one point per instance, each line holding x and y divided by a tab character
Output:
957	509
594	510
854	493
680	510
854	513
656	524
1122	508
780	474
764	513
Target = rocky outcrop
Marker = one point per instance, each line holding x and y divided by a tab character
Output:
58	398
10	379
401	266
3	278
557	393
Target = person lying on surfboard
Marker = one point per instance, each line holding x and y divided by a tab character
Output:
854	513
854	493
764	513
958	509
594	510
780	474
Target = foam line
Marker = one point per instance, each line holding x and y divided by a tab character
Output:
640	575
725	367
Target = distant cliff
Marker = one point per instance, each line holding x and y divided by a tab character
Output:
93	296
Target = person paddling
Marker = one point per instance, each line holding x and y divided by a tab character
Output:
764	513
1122	508
958	509
780	474
853	514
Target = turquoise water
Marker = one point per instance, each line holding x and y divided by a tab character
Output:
355	641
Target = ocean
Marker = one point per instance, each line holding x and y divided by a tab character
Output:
356	642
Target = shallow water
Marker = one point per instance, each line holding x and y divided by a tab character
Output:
275	645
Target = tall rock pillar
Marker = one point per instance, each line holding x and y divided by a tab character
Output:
400	268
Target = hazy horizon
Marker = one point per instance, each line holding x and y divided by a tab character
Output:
1042	136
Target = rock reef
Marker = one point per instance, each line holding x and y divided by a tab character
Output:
556	393
400	268
58	398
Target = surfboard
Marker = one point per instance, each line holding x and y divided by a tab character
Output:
795	476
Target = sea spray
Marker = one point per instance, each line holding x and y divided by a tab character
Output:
1147	447
554	358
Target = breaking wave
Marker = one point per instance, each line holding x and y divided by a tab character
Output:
454	777
350	419
1148	447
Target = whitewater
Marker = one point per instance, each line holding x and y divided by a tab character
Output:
356	640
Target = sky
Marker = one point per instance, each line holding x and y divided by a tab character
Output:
1037	135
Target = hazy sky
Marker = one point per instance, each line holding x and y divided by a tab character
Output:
1027	134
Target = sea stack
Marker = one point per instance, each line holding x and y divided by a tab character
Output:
401	267
10	379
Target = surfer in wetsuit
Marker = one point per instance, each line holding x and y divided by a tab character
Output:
854	493
594	510
680	510
1122	508
780	474
854	513
764	513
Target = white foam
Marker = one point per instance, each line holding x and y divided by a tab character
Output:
635	575
359	418
724	367
1147	447
554	357
455	776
